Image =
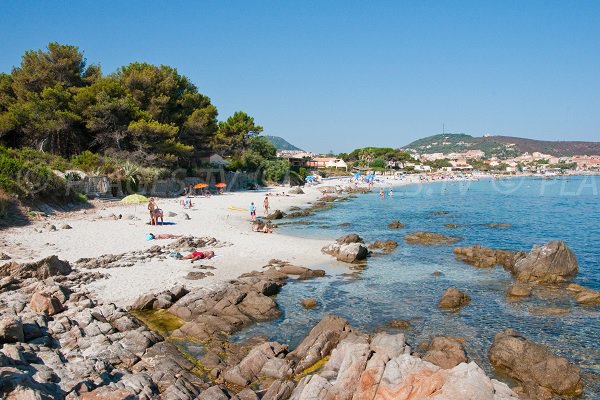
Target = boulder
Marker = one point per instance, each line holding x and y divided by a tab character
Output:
349	253
453	299
588	297
11	330
387	246
309	303
445	352
541	372
483	257
45	268
430	238
44	303
395	225
66	226
550	263
296	190
349	238
277	214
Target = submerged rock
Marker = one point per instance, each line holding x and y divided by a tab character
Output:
550	263
453	299
395	225
309	303
542	374
430	238
483	257
519	290
386	246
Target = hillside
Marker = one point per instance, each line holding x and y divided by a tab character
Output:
282	144
502	146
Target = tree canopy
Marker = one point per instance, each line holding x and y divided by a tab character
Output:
55	102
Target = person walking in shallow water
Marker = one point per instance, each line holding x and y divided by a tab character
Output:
381	193
252	210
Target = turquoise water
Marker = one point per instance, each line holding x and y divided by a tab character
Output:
401	285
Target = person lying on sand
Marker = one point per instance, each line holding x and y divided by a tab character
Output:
199	255
152	236
264	229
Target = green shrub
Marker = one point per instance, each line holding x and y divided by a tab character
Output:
72	176
86	161
276	171
5	204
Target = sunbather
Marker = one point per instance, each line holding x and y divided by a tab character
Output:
199	255
152	236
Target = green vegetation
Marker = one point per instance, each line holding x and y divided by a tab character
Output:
281	143
460	142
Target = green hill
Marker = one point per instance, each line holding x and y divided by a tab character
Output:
282	144
501	146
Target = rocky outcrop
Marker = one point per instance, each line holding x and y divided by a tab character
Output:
395	225
266	359
296	190
445	351
550	263
45	268
541	373
483	257
453	299
277	214
387	246
430	238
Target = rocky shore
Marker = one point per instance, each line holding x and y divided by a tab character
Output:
59	341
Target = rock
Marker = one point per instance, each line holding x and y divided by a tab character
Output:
437	273
50	228
349	253
186	216
312	273
277	214
440	212
4	256
399	324
588	297
349	238
534	365
395	225
44	303
196	275
446	352
45	268
322	338
452	226
11	330
387	246
214	393
519	290
251	366
66	226
550	263
309	303
498	226
296	190
453	299
483	257
430	238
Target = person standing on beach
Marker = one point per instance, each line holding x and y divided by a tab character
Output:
266	205
252	211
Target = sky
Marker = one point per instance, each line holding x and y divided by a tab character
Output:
337	75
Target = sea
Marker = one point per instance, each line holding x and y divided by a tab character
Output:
403	286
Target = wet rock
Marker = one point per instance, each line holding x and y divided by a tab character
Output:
588	297
519	290
445	352
437	273
45	268
387	246
498	226
44	303
483	257
430	238
349	238
350	253
312	273
309	303
11	330
550	263
399	324
453	299
532	364
452	226
277	214
395	225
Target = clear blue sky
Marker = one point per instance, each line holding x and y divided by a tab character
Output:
344	74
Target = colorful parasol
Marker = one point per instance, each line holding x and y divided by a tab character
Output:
221	185
200	186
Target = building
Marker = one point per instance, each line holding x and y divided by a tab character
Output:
327	162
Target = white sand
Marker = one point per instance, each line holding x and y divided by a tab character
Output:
95	234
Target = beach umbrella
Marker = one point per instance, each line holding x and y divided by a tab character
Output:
135	199
201	186
221	185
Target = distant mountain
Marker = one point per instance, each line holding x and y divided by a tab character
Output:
282	144
502	146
